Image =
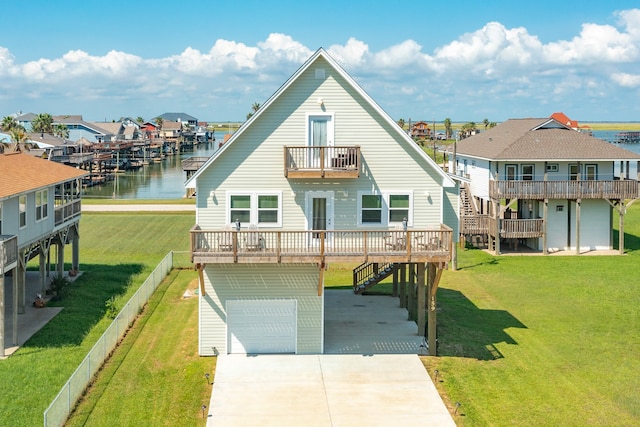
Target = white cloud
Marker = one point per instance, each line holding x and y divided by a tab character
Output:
494	68
352	55
626	80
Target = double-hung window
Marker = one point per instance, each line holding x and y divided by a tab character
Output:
42	204
260	208
240	208
22	202
398	207
371	209
386	208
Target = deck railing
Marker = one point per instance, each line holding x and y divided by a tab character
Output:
266	246
72	159
474	224
518	228
193	163
321	161
67	211
8	253
615	189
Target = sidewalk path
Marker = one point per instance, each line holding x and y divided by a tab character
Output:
139	208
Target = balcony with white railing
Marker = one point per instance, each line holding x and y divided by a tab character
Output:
269	246
572	189
322	162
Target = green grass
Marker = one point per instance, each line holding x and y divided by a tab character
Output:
541	340
117	253
156	367
522	340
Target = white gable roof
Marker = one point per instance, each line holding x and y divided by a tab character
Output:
447	180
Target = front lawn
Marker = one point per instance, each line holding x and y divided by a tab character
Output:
117	253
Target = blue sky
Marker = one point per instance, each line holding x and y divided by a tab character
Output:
466	60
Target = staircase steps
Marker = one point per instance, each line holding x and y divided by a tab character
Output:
368	275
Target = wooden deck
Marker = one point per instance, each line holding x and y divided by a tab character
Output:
322	162
266	246
615	189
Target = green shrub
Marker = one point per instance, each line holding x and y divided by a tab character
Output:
60	287
112	308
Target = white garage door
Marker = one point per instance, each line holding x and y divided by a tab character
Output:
266	326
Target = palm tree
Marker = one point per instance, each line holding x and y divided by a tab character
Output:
61	130
140	120
43	123
401	123
8	123
447	127
19	139
485	122
254	108
159	122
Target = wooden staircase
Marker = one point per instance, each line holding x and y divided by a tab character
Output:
467	207
367	275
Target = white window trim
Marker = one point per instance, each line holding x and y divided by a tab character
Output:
385	207
254	208
331	128
26	201
41	206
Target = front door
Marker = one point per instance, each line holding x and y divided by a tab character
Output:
319	212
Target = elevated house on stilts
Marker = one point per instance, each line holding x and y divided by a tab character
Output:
319	174
39	211
536	185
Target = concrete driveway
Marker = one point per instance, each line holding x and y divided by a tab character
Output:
324	390
369	375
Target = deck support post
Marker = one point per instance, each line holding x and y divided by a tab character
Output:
434	274
578	203
394	291
497	212
422	289
60	259
545	222
20	281
622	210
403	285
411	296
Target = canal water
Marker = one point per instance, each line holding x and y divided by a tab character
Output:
165	179
159	180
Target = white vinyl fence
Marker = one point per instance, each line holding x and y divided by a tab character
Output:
58	411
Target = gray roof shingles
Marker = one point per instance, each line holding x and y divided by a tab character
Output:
539	139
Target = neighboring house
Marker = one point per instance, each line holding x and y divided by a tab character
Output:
39	208
544	186
319	174
179	117
170	131
25	120
420	130
78	128
562	118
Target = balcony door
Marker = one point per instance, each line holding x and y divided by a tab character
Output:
319	134
511	172
319	212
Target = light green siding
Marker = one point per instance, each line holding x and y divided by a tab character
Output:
255	161
261	282
450	210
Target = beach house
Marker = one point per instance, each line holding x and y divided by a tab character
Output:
539	185
320	174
